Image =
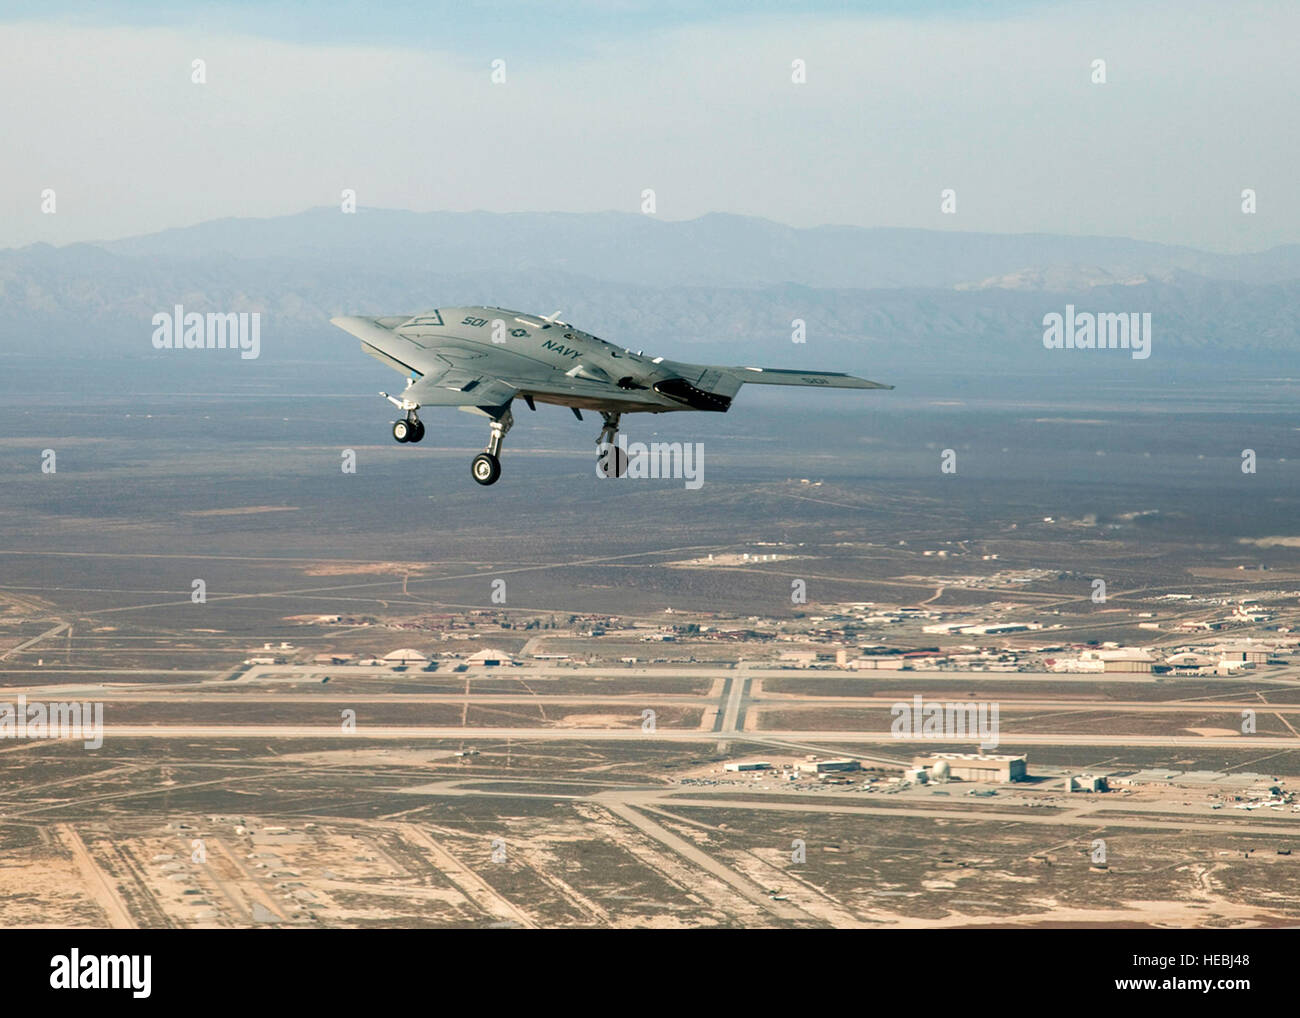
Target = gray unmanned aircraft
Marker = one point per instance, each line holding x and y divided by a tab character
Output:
480	359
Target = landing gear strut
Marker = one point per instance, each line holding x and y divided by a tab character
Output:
611	461
486	467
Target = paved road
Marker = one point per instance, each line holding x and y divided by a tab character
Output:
743	885
661	733
35	640
629	702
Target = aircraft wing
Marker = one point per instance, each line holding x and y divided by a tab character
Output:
448	375
381	343
789	376
454	387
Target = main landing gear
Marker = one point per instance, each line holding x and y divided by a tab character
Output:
486	467
611	461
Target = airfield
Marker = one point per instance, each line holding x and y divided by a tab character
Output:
534	796
256	770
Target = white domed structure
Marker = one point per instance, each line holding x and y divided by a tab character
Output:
941	770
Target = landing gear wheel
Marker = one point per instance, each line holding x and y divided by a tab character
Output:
612	462
417	431
486	468
402	431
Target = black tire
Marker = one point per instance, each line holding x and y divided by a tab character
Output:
402	430
486	468
418	432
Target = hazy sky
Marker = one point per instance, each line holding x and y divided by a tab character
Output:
602	100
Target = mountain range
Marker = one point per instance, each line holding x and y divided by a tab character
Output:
721	287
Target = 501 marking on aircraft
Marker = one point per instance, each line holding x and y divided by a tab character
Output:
546	361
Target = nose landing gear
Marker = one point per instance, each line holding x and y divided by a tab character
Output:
410	429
